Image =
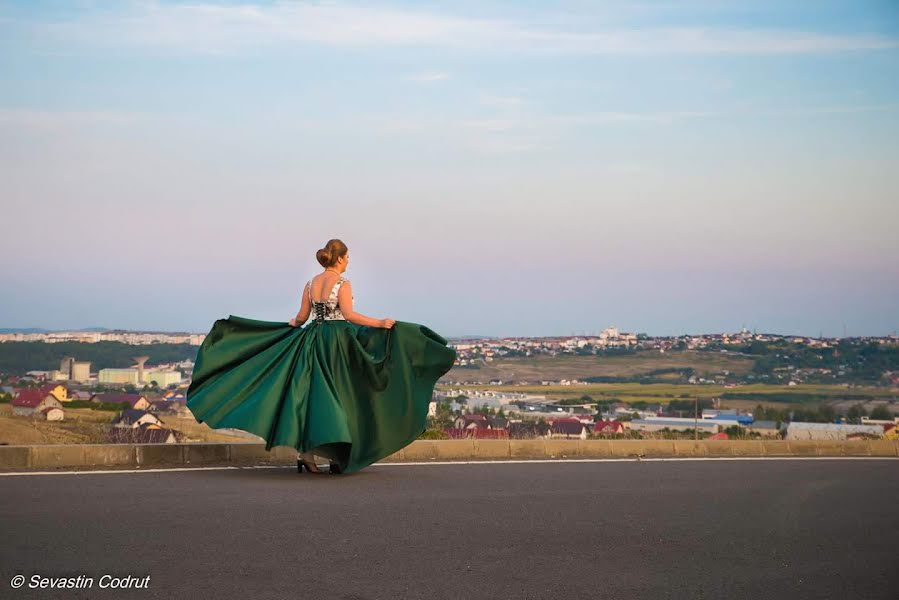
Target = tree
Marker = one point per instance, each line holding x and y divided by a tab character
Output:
735	431
444	417
828	414
855	413
881	413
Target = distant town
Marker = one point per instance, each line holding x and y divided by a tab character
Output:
94	337
613	384
787	358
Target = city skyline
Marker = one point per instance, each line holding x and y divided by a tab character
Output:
586	333
495	169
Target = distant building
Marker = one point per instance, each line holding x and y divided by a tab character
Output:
60	392
141	435
81	371
675	424
163	378
56	375
494	422
112	376
727	415
604	427
65	365
831	431
766	429
30	402
131	419
471	421
164	407
53	413
135	401
568	429
528	430
870	421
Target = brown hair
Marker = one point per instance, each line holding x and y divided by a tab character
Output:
328	255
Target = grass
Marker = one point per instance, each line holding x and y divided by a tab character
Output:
86	426
767	395
536	368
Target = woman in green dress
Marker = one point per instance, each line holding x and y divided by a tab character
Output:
348	387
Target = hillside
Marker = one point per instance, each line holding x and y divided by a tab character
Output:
544	367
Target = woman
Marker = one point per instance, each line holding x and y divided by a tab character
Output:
348	387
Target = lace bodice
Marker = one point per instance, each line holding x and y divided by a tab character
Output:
327	310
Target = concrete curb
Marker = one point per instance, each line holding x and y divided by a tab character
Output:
23	458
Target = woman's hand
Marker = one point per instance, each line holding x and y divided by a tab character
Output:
292	322
387	323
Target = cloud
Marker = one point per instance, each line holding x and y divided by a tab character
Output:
428	77
215	28
501	101
554	122
49	119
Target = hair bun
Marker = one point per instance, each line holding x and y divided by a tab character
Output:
329	254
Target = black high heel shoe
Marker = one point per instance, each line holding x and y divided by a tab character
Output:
334	468
307	466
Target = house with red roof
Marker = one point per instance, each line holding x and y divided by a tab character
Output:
29	402
135	401
59	391
131	418
471	421
144	434
523	430
610	427
51	413
568	429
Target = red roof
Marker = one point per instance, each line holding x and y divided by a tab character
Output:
614	425
131	399
568	427
29	398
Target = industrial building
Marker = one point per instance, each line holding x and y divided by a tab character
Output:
676	424
117	376
831	431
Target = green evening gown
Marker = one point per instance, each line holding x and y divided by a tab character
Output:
351	393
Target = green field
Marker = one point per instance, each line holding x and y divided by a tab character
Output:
544	367
740	397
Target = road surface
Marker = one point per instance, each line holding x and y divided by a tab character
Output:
623	529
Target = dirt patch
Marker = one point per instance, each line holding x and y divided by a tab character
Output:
536	368
86	426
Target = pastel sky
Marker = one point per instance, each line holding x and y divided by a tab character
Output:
496	168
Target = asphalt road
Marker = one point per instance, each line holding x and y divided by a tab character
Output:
722	529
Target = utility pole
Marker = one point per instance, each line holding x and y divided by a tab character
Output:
696	418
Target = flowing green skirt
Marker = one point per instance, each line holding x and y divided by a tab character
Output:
352	393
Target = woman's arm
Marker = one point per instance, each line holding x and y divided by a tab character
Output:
345	303
305	309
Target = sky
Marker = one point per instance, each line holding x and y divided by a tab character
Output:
495	168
